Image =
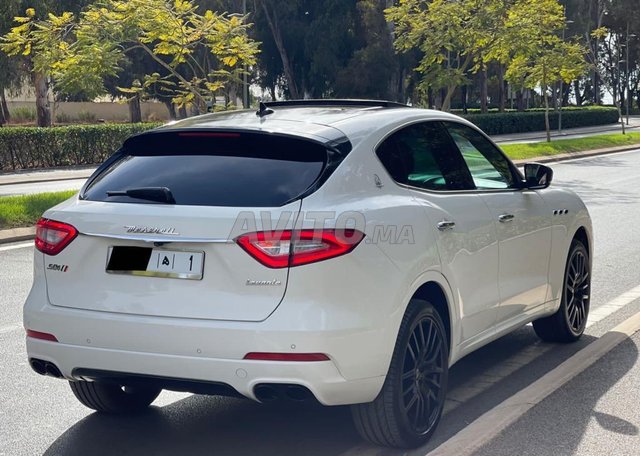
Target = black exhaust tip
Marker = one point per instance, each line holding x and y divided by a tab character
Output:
38	366
298	393
52	370
266	393
45	368
271	392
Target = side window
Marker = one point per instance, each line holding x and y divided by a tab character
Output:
489	168
423	156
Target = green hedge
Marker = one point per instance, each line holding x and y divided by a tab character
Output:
533	120
32	147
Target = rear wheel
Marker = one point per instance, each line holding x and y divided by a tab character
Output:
407	411
570	321
113	398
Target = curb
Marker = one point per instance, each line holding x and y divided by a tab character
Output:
573	155
23	234
17	234
37	180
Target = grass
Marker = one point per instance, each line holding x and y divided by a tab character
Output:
25	210
563	146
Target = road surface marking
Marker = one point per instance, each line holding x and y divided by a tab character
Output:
478	384
492	423
16	246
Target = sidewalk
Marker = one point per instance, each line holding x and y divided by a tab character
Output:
596	413
570	133
46	175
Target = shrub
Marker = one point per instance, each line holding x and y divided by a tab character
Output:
533	120
87	117
23	114
32	147
63	118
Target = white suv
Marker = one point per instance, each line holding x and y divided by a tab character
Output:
342	251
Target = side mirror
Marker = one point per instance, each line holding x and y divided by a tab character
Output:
537	176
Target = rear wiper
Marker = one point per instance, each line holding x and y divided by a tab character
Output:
159	194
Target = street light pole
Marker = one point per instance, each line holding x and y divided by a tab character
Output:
628	98
562	83
245	83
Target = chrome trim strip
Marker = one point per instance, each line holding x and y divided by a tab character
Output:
166	275
167	240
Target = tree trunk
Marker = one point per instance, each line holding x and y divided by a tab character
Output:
576	89
4	108
465	95
171	108
520	100
286	64
182	111
446	101
547	125
430	98
43	110
624	130
484	91
135	111
502	99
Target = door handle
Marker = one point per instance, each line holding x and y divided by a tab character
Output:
504	218
446	225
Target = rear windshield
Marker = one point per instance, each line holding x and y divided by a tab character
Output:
213	169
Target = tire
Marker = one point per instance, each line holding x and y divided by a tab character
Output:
113	398
393	419
570	321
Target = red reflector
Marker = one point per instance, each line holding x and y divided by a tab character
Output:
298	357
52	237
280	249
41	335
203	134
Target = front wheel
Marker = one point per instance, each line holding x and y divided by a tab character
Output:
113	398
570	321
407	411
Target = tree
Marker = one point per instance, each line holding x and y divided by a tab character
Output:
455	38
21	68
461	38
539	55
198	53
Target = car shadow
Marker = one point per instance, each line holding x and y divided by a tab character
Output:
226	426
212	425
559	424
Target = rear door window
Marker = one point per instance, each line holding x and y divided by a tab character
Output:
489	168
213	169
422	155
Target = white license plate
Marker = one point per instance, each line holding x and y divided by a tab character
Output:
176	264
147	262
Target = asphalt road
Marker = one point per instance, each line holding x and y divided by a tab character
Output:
40	415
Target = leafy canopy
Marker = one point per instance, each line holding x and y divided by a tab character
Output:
199	53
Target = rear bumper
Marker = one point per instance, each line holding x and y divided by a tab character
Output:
209	351
321	378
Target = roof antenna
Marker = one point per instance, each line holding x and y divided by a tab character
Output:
263	110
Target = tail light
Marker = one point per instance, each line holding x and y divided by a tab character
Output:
281	249
41	335
297	357
52	237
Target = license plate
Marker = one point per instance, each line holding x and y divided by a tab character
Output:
148	262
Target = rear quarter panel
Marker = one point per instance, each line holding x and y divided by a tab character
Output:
569	214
